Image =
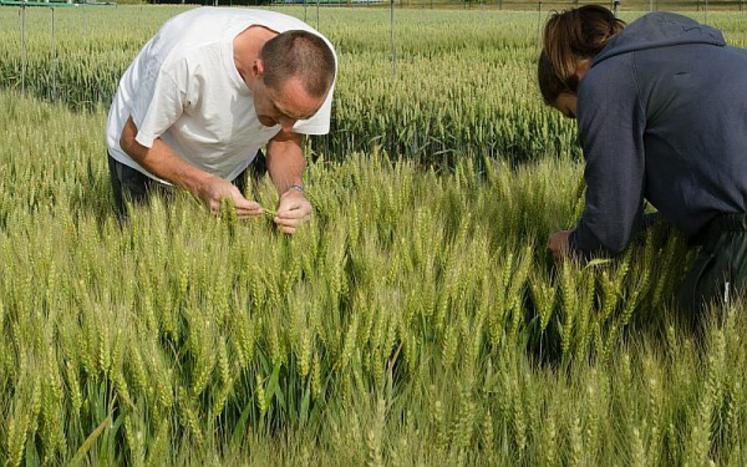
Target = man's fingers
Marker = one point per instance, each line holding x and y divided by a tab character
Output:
287	222
295	214
253	209
244	208
291	222
290	210
295	211
242	203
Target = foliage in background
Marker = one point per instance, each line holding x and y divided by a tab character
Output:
464	83
417	320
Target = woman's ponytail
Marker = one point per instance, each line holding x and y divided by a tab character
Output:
569	36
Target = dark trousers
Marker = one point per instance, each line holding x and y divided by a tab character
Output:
130	185
720	270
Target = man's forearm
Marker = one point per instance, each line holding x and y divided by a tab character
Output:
162	161
285	162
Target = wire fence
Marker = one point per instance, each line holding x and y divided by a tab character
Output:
312	15
624	5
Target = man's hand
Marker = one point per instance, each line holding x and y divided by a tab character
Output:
558	244
294	209
163	162
213	189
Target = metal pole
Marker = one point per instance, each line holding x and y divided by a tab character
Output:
391	38
706	12
616	8
305	5
54	56
317	15
539	23
22	13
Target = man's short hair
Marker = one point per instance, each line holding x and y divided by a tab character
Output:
299	53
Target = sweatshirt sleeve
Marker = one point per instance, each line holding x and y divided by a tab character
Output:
611	126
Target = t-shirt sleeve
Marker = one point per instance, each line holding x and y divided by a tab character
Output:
158	103
319	123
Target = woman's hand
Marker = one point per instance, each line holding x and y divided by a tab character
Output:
558	245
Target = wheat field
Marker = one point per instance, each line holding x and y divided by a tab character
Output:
417	320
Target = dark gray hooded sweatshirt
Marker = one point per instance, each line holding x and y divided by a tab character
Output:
662	115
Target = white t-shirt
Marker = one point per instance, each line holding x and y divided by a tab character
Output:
183	87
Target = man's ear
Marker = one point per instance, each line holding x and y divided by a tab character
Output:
258	68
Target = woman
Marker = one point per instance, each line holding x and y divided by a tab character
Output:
662	114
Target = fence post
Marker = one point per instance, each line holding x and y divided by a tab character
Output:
539	24
391	38
22	13
54	57
706	12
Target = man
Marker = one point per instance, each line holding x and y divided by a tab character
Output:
662	113
203	96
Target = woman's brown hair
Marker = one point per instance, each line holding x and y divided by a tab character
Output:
569	36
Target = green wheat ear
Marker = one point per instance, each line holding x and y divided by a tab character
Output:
269	212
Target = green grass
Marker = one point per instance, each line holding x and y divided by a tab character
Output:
417	319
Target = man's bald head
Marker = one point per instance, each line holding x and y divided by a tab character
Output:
300	54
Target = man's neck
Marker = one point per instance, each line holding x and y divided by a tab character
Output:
247	46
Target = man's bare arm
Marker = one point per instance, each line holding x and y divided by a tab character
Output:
286	164
163	162
285	161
